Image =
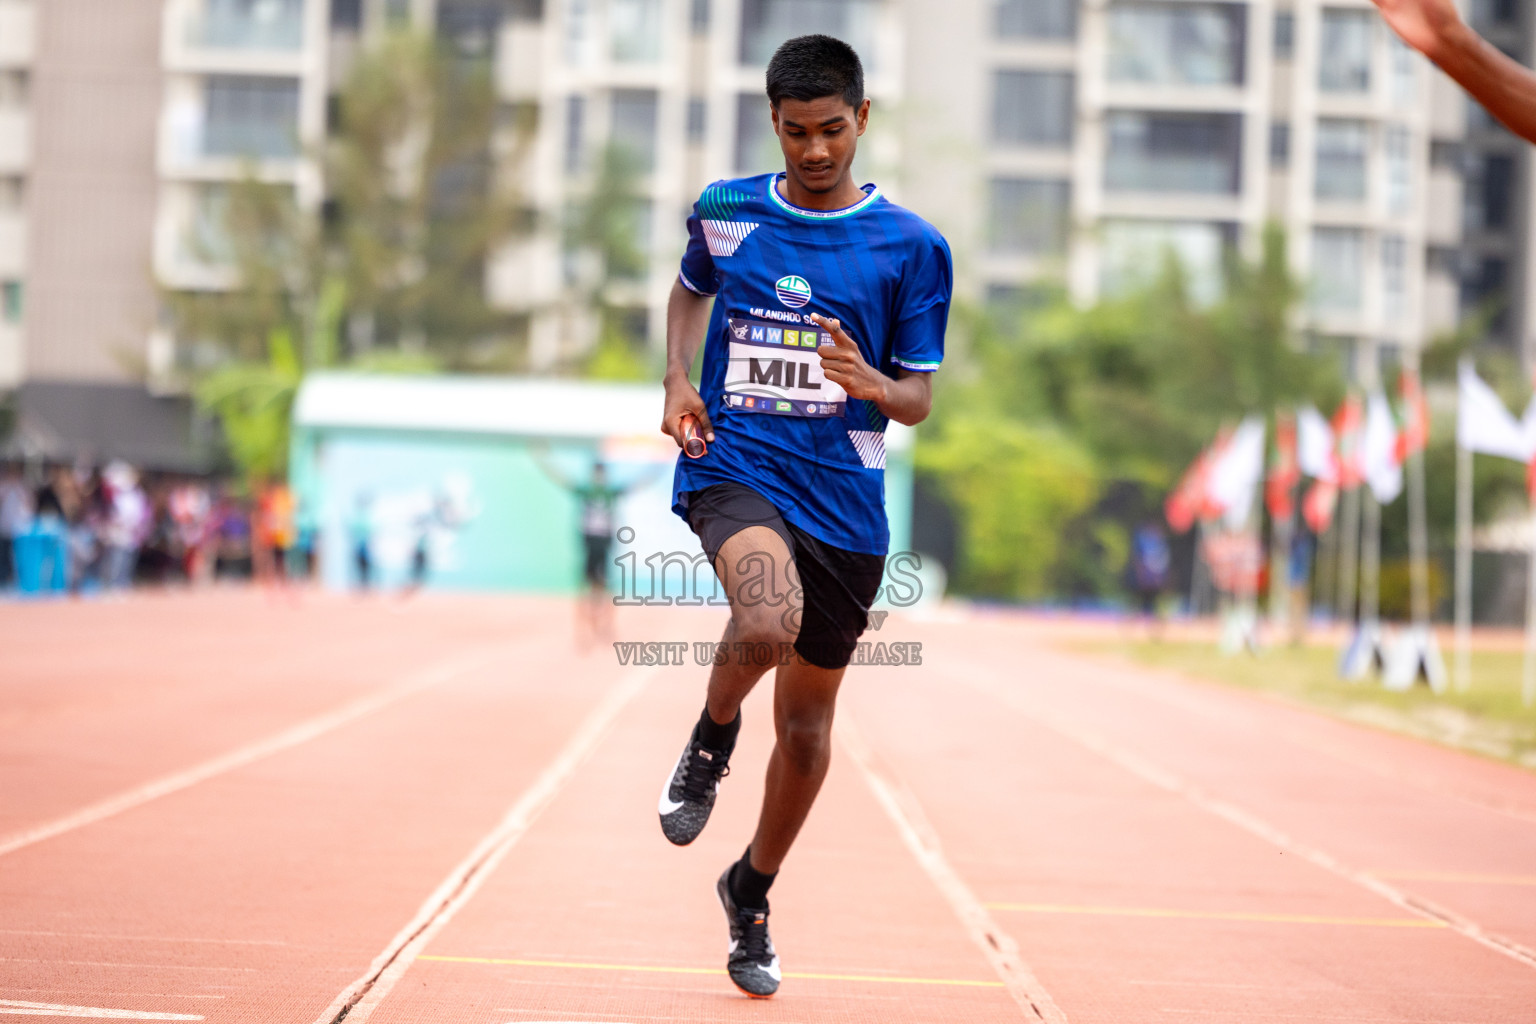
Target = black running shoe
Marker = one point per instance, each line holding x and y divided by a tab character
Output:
752	964
689	794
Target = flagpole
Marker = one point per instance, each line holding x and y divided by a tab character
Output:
1463	565
1370	561
1528	687
1349	553
1418	534
1418	541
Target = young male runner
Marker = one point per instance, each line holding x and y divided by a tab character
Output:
829	314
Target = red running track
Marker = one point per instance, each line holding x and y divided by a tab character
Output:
223	808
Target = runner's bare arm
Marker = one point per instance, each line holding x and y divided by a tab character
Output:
907	399
687	320
1504	88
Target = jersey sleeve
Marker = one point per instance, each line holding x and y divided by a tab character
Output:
698	268
922	310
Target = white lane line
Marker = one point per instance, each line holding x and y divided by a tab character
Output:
358	1001
901	806
290	737
982	678
20	1009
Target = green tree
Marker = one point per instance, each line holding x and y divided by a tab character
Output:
603	239
389	274
1132	387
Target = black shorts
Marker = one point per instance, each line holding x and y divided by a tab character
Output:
837	586
595	570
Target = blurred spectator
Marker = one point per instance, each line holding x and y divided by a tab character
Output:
15	519
232	539
128	524
360	531
191	511
275	532
1151	566
307	538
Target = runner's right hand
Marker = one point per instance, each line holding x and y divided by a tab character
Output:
684	398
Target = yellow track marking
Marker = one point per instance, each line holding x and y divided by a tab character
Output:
1219	915
654	969
1458	876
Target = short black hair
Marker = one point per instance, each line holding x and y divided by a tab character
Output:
810	67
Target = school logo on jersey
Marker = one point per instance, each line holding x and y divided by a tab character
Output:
793	291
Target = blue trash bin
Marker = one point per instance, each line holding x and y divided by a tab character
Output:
42	560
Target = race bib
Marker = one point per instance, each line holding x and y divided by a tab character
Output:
776	369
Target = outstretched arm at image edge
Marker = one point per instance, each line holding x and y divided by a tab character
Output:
1506	89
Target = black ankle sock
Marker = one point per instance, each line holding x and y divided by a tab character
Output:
749	886
716	736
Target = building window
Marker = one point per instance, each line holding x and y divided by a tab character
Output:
1280	144
250	116
634	30
1342	148
1485	284
1495	14
13	191
1029	218
757	148
698	16
1344	61
1445	154
1285	35
1032	108
1394	276
470	27
1338	259
11	300
697	114
767	23
1397	152
1037	19
1173	152
575	128
347	14
634	124
250	25
1133	253
14	87
1403	64
1177	44
1495	185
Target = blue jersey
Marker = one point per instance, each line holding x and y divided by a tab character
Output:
780	427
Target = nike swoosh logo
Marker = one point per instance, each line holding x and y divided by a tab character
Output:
667	805
772	970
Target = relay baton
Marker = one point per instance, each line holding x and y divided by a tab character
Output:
693	444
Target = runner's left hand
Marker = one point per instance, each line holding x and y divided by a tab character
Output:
844	365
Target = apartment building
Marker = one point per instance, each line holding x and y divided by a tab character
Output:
1089	137
1057	143
17	45
1498	271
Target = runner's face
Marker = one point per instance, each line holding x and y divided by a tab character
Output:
818	138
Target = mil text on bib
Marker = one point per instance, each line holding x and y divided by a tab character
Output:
776	369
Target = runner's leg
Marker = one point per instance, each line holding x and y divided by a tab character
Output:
804	698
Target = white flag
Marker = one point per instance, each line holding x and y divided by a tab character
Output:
1314	446
1378	450
1482	422
1237	471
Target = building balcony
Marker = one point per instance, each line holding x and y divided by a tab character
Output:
242	36
15	140
13	243
10	355
18	33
